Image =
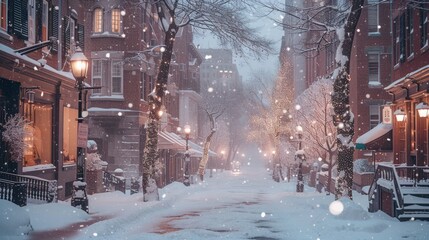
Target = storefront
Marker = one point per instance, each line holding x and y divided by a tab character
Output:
46	100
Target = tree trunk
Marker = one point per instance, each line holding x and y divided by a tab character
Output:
343	118
150	191
205	158
150	188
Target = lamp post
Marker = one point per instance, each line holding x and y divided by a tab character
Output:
222	160
79	68
300	156
186	182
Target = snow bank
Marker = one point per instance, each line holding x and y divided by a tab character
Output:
54	215
14	220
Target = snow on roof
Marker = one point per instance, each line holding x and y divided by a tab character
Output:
401	80
374	133
19	57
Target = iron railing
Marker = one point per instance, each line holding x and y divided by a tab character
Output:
37	188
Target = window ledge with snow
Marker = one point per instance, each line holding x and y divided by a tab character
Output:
5	35
38	167
374	34
103	97
374	84
424	48
106	35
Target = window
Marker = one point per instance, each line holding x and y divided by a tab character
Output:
70	40
143	87
117	77
3	14
31	21
97	75
116	20
45	21
37	150
396	49
374	115
373	68
373	16
410	31
98	20
402	34
423	24
107	74
69	151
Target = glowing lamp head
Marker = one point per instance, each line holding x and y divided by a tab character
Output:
187	129
400	115
79	64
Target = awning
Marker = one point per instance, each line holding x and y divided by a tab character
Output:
167	140
379	138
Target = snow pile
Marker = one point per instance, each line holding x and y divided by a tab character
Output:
14	220
54	215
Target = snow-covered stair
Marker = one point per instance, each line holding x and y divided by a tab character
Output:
416	203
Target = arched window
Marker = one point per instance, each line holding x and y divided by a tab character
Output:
98	20
116	20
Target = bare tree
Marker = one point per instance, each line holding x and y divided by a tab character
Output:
213	116
325	23
315	118
270	119
223	18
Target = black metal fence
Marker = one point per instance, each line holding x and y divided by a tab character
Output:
37	188
15	192
116	182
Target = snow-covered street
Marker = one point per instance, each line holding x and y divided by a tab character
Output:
248	205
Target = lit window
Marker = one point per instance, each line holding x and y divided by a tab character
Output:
69	150
116	20
98	20
38	134
3	14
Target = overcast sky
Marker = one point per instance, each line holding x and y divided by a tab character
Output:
249	65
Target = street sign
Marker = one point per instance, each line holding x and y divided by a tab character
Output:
82	135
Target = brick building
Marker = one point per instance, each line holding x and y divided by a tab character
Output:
36	83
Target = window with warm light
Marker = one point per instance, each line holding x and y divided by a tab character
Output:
116	20
38	134
70	139
98	20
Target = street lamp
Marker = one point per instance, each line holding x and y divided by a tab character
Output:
186	182
222	160
422	109
300	156
400	115
79	69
